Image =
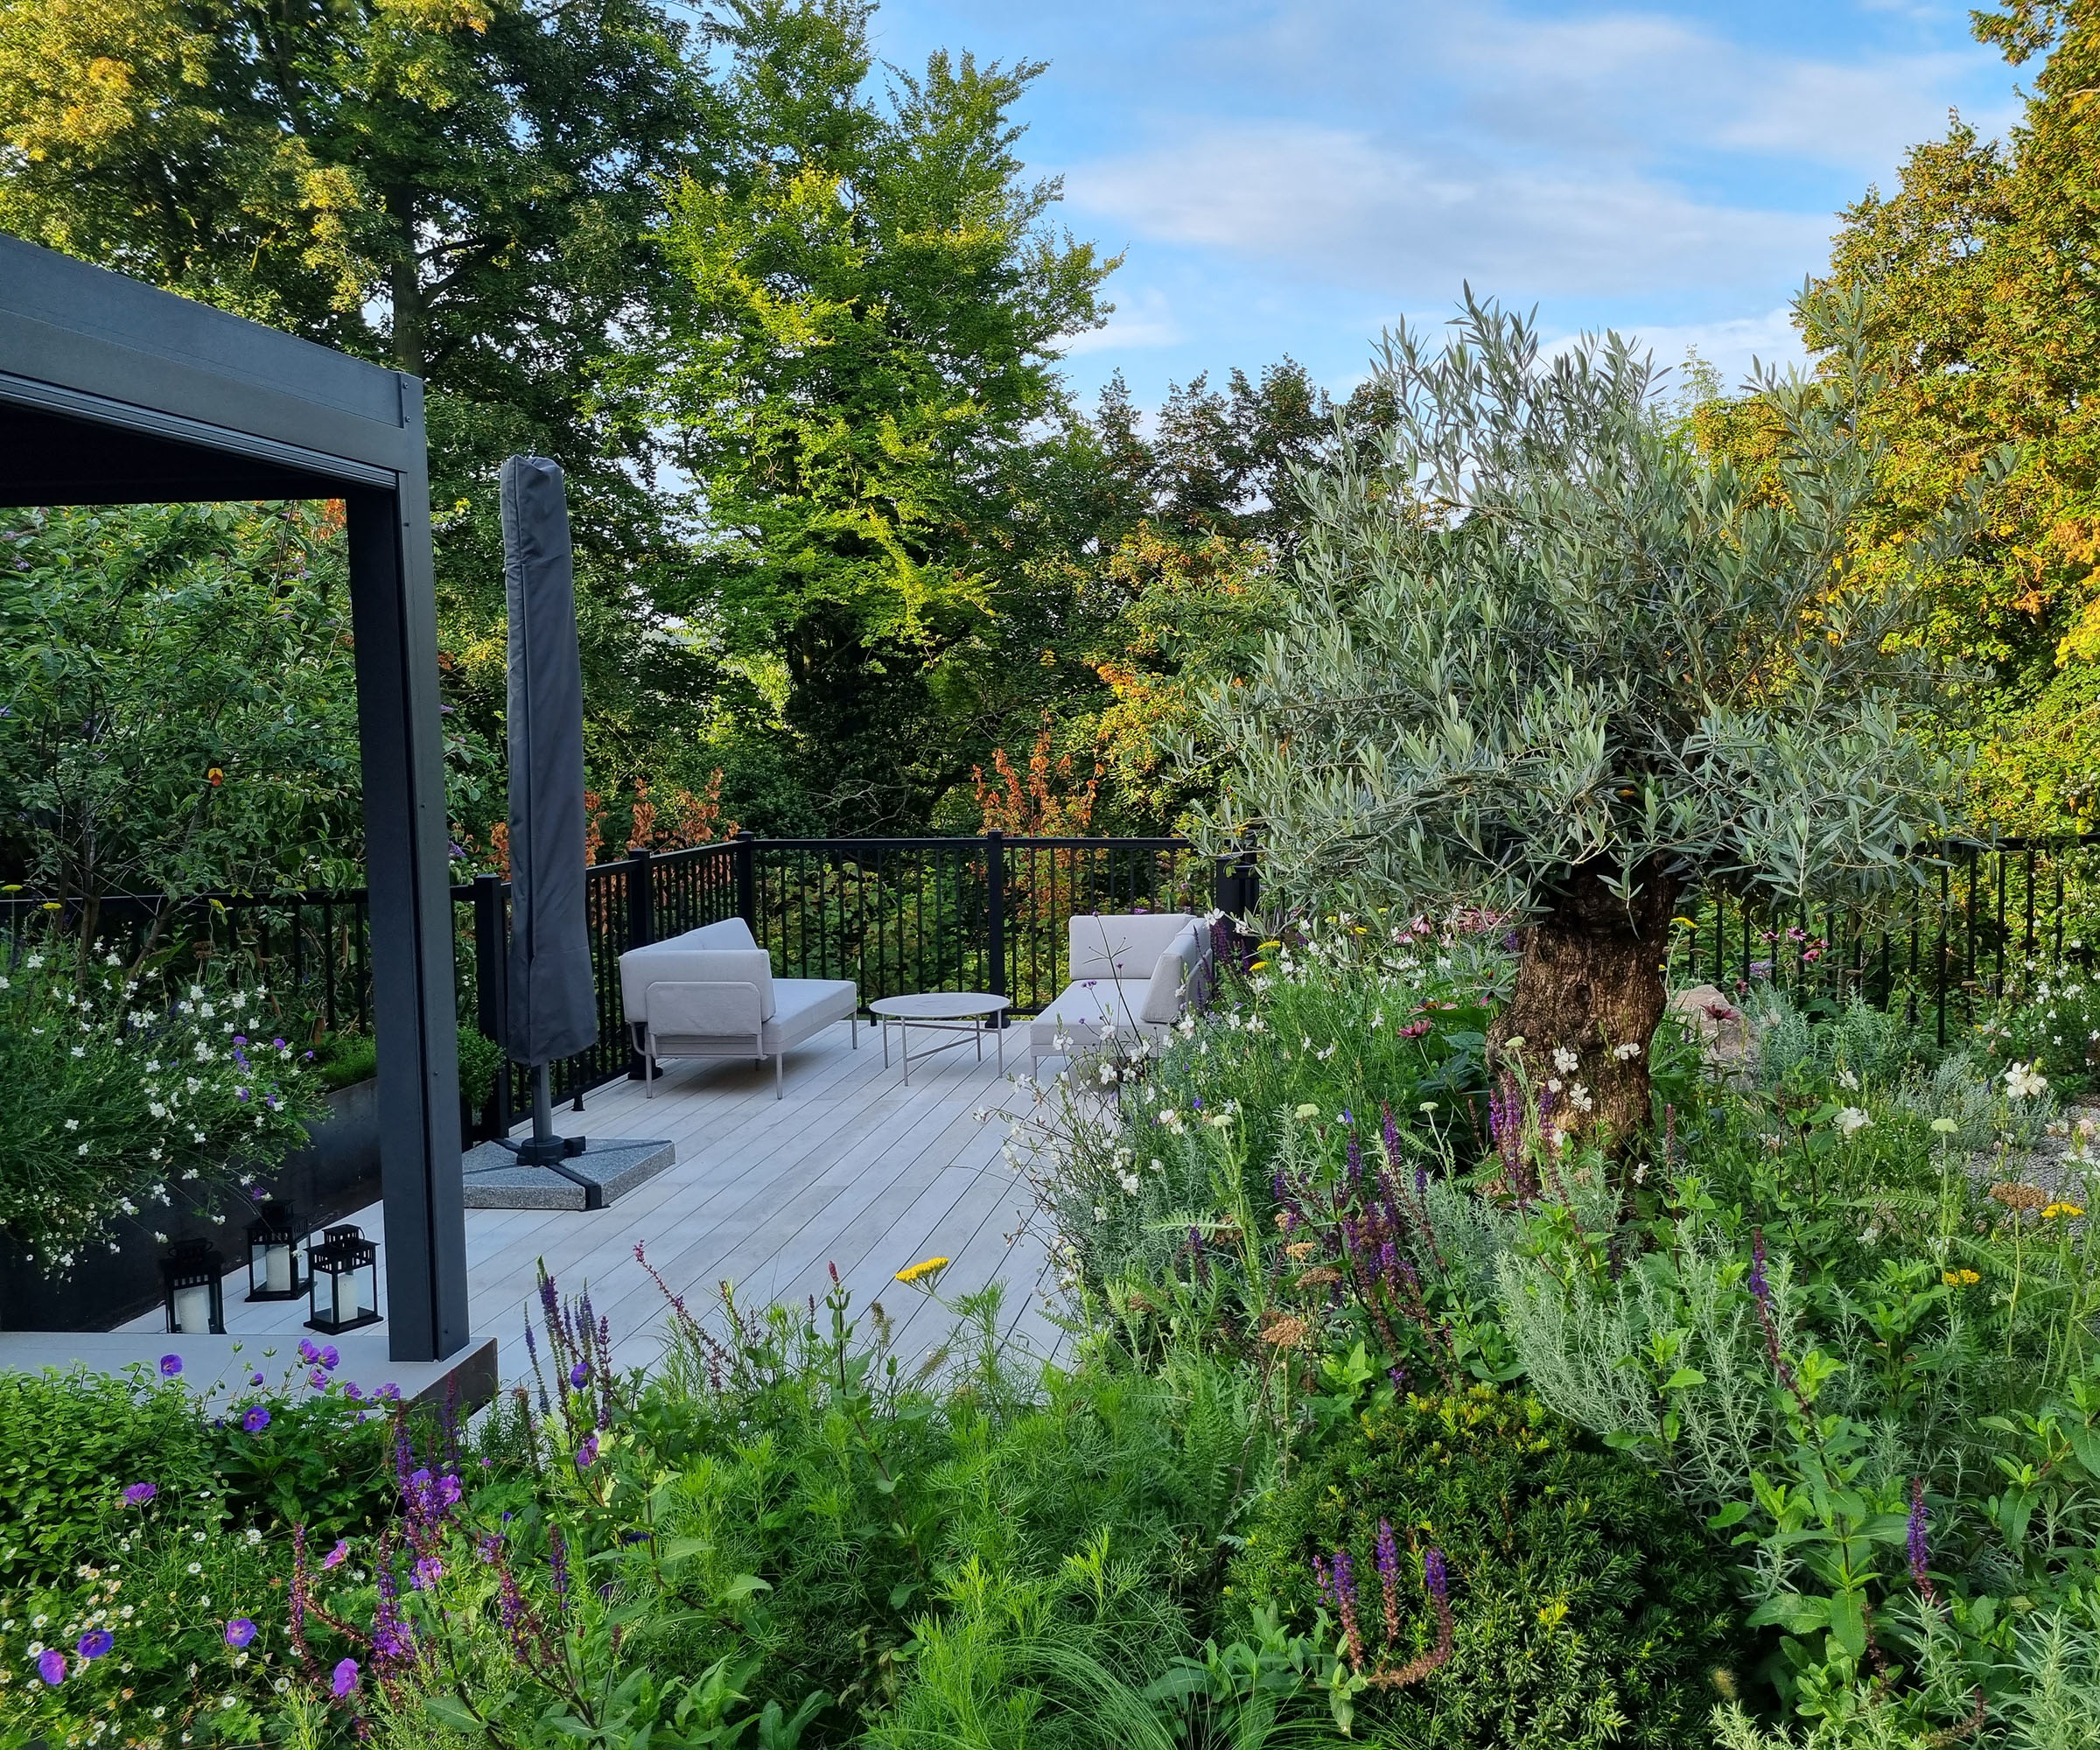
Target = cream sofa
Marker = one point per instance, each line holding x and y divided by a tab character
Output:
1132	973
712	993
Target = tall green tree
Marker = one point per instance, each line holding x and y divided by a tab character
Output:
460	188
1544	658
1984	329
872	304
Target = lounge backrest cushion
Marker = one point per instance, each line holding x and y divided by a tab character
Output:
1177	977
729	932
673	961
1124	946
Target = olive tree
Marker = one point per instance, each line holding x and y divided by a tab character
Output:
1546	657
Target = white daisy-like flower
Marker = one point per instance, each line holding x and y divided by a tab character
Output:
1852	1121
1564	1060
2026	1081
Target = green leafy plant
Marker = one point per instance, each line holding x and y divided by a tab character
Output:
125	1089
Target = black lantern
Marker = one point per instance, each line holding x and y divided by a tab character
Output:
190	1274
343	1285
274	1239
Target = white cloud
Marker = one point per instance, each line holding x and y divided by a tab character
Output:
1338	205
1141	318
1733	346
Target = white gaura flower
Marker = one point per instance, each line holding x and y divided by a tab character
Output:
1847	1081
1628	1052
1852	1121
2025	1081
1564	1060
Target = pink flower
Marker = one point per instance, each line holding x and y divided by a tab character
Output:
338	1555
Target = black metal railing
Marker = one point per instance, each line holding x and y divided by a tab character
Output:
1940	952
991	914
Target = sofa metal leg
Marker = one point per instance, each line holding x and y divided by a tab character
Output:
778	1093
649	1070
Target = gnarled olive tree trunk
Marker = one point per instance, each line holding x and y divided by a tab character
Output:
1590	982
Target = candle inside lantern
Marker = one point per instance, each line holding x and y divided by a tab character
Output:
193	1310
277	1269
345	1297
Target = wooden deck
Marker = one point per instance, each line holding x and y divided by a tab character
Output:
851	1168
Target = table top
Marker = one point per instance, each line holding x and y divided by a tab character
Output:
938	1006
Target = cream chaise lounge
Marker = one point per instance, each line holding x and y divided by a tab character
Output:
1132	973
712	993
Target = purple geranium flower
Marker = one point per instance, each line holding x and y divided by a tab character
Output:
256	1419
338	1555
138	1494
429	1571
345	1679
254	1379
50	1666
308	1352
330	1357
587	1454
317	1379
170	1365
580	1376
239	1632
95	1642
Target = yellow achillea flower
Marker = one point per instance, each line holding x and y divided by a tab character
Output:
919	1272
2056	1209
1959	1279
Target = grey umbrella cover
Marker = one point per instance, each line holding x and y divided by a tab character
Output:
553	1006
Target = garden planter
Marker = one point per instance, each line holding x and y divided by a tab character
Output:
334	1174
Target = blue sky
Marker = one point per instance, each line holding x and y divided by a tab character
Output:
1290	177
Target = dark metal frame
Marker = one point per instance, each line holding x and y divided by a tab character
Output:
113	393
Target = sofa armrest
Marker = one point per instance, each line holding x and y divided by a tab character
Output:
1181	978
666	964
703	1008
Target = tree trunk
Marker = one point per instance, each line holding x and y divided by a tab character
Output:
1589	982
405	287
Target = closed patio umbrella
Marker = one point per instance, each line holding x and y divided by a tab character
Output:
553	1000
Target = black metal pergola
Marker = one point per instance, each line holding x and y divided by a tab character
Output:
112	392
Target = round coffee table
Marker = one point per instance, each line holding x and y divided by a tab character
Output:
964	1013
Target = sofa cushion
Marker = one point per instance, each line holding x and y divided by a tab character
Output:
803	1006
672	961
1087	1010
1177	978
1120	945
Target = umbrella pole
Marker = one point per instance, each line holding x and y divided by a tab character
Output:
546	1149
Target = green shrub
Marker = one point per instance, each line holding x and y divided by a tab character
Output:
1586	1609
135	1511
344	1059
69	1442
123	1092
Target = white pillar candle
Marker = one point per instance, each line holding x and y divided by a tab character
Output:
193	1310
345	1298
277	1269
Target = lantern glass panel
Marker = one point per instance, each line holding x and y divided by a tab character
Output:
194	1306
273	1254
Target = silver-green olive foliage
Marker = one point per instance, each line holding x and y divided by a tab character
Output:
1534	628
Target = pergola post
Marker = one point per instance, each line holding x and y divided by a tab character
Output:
407	874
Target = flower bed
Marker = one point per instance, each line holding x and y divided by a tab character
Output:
1391	1411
